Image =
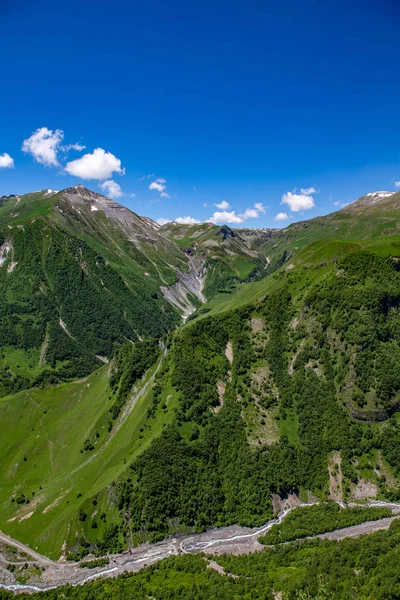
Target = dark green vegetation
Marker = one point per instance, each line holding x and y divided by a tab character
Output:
190	475
66	301
312	520
287	381
132	361
361	569
92	564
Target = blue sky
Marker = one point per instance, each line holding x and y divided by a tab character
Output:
249	104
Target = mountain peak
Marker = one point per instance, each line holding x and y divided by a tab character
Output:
371	198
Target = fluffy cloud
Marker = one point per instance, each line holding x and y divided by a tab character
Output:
6	162
112	189
224	216
156	186
44	145
186	221
180	220
78	147
308	191
250	213
159	186
397	183
219	217
98	165
300	201
222	205
282	216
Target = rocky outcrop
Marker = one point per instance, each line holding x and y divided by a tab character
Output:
188	284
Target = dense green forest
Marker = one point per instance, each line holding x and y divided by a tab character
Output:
62	301
353	569
312	520
190	476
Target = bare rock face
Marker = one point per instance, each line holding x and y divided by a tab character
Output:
189	283
85	201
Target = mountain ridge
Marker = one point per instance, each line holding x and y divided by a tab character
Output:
284	381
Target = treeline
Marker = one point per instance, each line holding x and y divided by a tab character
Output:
308	521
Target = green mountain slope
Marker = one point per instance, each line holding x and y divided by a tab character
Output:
286	384
371	216
80	273
229	256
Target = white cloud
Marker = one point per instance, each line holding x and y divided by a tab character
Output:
298	202
6	162
282	216
162	221
98	165
222	205
44	145
132	195
159	186
231	217
180	220
225	217
156	186
308	191
78	147
260	207
397	183
249	213
186	221
112	189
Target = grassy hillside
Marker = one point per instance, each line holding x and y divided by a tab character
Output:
292	394
358	221
60	451
286	384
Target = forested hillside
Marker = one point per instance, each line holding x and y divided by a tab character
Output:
271	399
285	380
63	306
